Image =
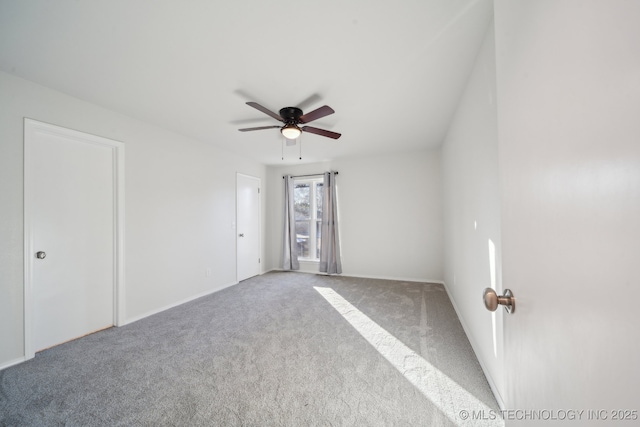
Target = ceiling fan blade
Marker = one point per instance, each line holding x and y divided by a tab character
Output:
321	132
316	114
259	128
265	110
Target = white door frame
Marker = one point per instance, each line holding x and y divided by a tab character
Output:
31	127
238	174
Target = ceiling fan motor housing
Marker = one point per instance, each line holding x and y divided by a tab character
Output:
291	114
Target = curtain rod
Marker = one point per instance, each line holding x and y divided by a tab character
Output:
313	174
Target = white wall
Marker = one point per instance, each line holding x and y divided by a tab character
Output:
179	209
390	215
471	202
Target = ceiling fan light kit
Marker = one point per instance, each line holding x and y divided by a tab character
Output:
292	117
291	131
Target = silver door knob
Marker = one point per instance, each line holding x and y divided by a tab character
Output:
41	255
241	234
492	300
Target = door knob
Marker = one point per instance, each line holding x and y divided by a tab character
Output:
241	234
492	300
41	255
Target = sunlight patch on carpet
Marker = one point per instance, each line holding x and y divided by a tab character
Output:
448	396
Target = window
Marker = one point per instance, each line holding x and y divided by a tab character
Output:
308	213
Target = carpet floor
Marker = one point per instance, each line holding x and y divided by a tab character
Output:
281	349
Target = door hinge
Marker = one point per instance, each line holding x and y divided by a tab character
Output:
258	190
258	260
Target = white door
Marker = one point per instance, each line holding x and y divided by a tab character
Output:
248	228
70	229
569	143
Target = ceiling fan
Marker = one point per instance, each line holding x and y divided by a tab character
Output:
292	117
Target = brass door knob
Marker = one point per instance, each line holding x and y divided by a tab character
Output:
492	300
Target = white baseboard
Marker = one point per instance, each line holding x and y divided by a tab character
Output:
12	363
172	305
398	279
361	276
474	346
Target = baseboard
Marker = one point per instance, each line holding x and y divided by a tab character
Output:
184	301
397	279
360	276
474	346
13	362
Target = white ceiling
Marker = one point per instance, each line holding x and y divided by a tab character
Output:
392	70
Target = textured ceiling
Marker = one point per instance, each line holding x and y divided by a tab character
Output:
392	71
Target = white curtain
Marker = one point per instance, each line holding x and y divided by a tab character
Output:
290	248
330	243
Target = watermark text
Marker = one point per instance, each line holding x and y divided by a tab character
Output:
550	414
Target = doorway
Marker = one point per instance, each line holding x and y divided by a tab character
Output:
73	217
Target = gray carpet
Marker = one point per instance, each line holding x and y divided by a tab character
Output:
281	349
